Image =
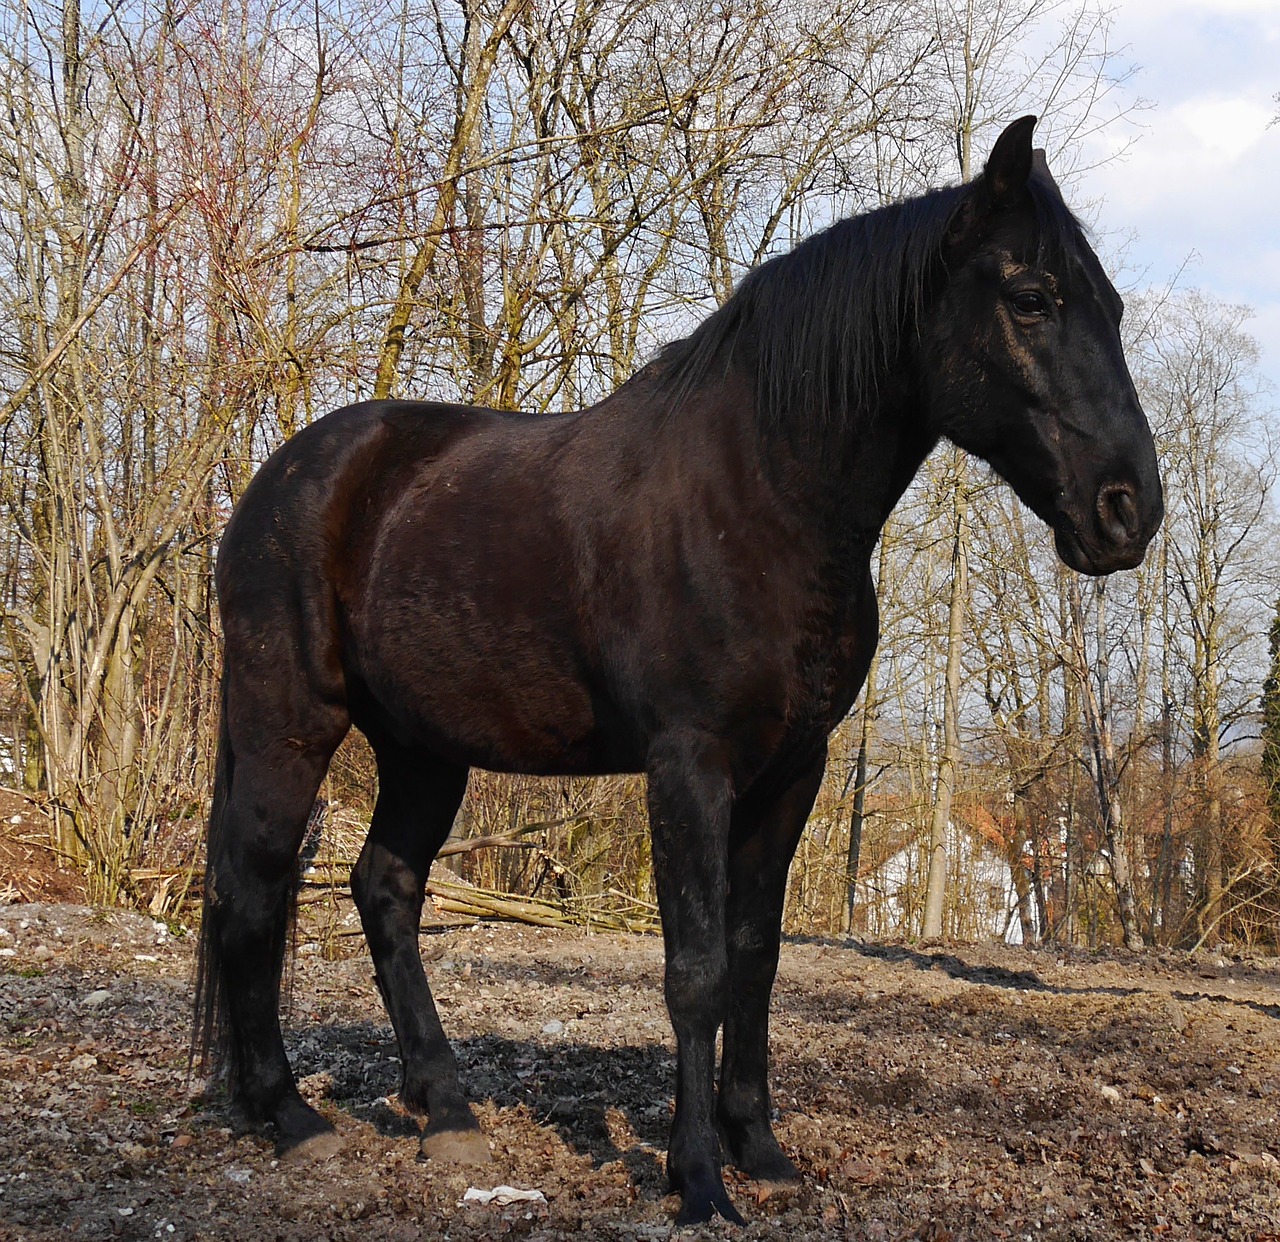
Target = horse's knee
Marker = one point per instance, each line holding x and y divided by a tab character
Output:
742	1100
754	966
696	986
248	874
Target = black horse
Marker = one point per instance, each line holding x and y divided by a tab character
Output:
676	582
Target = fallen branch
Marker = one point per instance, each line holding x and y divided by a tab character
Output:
597	911
500	841
484	903
332	871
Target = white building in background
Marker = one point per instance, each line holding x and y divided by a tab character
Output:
891	894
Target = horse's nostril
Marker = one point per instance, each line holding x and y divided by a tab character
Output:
1118	512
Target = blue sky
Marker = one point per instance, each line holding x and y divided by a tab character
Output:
1201	187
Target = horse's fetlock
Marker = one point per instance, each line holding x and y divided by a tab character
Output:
739	1105
415	1095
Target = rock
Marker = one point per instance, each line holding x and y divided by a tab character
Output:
1176	1014
100	997
554	1027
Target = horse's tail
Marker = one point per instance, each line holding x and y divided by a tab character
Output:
212	1045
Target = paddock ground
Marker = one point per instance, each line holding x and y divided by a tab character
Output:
947	1094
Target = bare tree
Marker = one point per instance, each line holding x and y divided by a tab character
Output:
996	58
1199	381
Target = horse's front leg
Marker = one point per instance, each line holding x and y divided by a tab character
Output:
766	828
689	804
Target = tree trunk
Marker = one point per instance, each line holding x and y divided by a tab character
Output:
857	816
477	67
1102	759
870	709
948	760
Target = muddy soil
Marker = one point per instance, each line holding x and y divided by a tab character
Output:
968	1093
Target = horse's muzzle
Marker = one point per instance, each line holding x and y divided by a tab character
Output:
1115	534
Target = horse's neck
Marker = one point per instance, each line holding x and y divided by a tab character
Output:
841	482
857	474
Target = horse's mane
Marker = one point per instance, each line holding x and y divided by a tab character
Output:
821	325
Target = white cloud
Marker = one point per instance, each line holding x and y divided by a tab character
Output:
1223	128
1203	179
1161	11
1188	150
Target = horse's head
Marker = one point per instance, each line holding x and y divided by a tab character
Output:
1027	367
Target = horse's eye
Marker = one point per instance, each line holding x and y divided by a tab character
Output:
1030	302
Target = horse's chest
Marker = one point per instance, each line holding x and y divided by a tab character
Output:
825	690
831	662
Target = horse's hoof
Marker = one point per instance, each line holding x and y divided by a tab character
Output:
699	1210
305	1137
775	1170
314	1149
456	1147
699	1204
758	1155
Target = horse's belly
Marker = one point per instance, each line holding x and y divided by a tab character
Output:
492	698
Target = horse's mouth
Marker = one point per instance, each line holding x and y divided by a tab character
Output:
1089	557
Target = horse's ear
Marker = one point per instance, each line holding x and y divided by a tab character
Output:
1009	164
1005	176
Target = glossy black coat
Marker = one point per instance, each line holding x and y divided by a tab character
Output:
676	582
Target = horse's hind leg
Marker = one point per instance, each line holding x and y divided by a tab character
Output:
766	830
418	797
274	756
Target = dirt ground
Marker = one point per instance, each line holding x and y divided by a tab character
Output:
970	1092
